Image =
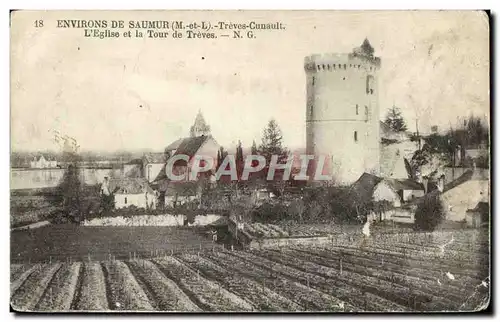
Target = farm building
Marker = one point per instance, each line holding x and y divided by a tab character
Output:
133	192
479	215
394	191
465	193
152	163
391	197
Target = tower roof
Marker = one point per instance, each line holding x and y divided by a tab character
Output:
366	48
200	126
366	52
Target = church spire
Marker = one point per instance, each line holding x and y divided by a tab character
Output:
200	127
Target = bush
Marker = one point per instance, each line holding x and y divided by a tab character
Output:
270	212
430	213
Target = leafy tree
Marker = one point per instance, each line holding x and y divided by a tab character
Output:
473	133
394	119
430	213
69	194
239	159
254	150
272	142
219	158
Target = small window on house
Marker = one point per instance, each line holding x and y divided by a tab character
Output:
357	109
323	66
125	200
355	136
319	67
340	66
345	66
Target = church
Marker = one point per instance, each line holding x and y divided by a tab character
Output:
199	142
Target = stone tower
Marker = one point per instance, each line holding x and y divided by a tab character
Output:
342	113
200	127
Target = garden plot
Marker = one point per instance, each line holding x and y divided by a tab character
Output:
207	294
92	292
124	293
261	297
31	291
61	289
168	296
308	298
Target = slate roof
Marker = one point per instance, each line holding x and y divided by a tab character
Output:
129	185
466	176
190	146
481	207
404	184
365	185
174	145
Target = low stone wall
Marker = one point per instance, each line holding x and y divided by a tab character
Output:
150	220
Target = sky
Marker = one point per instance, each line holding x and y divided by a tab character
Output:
133	94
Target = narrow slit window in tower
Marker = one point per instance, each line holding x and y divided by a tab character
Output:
357	109
355	136
369	84
345	66
313	80
125	200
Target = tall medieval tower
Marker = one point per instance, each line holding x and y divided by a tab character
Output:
342	121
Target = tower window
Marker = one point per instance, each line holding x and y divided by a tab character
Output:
125	200
319	67
340	66
366	112
357	109
369	84
313	80
310	111
345	66
355	136
323	66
